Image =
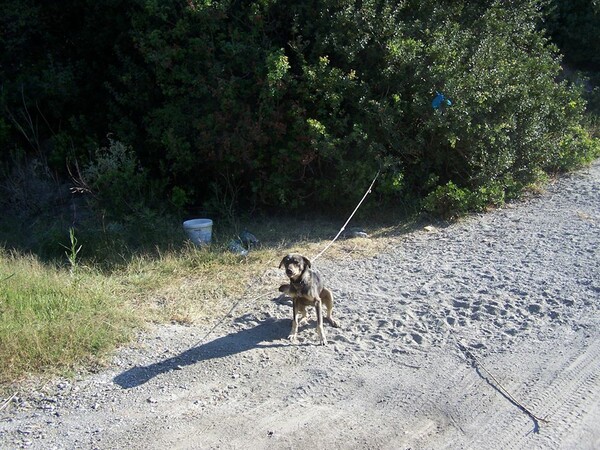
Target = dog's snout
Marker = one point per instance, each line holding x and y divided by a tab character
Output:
289	271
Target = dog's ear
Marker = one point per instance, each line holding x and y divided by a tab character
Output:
306	261
282	262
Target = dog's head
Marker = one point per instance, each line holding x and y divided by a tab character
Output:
295	264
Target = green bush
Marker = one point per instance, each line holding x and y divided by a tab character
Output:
448	201
276	103
576	149
304	102
115	181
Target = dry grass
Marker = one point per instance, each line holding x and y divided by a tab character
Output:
55	320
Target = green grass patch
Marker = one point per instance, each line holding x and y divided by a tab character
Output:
51	320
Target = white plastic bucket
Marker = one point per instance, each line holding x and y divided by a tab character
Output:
198	230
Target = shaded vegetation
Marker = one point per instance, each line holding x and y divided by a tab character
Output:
275	103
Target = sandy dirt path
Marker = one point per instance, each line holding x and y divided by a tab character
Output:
433	330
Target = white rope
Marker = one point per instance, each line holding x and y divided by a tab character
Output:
349	218
235	305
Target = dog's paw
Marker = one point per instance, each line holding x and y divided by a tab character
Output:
322	338
333	323
293	338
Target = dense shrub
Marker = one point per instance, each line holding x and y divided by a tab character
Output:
278	103
115	181
296	103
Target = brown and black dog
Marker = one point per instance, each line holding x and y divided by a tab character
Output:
306	289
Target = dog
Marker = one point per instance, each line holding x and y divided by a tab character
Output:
306	289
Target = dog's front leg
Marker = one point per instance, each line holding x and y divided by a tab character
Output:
295	321
320	330
285	288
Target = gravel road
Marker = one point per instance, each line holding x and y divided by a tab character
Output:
481	334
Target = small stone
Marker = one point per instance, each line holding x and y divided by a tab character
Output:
351	233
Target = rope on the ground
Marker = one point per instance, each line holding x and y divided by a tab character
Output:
222	319
500	387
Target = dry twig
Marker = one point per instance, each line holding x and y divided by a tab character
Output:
8	277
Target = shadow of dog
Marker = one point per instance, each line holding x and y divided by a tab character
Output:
259	336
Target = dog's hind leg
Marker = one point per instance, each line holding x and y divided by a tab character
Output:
327	299
303	314
320	330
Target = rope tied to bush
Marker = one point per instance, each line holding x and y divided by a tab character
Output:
349	218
